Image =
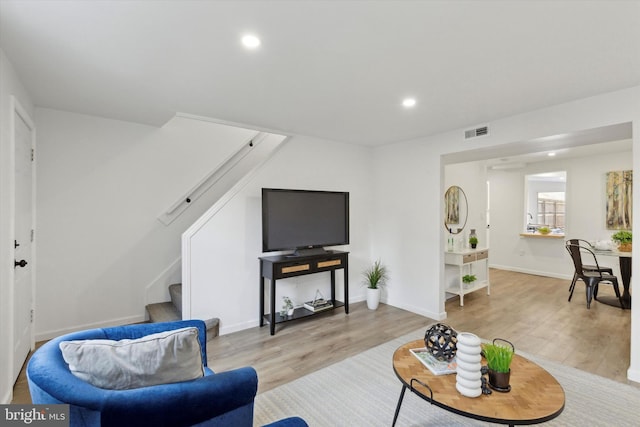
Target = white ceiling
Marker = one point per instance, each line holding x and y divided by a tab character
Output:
331	69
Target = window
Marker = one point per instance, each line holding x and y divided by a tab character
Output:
545	203
551	209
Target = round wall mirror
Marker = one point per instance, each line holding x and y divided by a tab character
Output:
455	209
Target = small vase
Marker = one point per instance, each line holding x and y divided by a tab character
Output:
468	370
290	311
499	381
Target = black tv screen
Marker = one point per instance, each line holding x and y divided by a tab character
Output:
303	219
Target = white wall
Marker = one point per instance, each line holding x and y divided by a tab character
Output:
585	214
410	187
408	224
224	265
10	85
101	186
471	177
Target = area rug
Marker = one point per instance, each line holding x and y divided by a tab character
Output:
363	391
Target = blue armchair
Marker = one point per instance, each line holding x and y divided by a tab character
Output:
223	399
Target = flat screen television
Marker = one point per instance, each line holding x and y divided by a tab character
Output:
304	221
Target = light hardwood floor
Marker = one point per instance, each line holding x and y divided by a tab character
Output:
530	311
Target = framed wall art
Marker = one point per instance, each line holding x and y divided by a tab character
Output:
619	200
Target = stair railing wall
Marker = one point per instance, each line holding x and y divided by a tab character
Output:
210	179
271	143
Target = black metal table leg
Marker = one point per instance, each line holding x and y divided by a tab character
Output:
625	272
395	416
625	298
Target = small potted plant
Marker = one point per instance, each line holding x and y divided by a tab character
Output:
468	279
623	238
473	241
499	359
375	277
287	307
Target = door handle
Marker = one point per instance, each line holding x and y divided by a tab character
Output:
21	263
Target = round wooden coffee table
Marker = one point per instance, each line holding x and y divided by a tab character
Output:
535	395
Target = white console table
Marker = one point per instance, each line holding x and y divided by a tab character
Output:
466	261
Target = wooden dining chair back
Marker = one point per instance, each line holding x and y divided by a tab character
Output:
591	278
585	267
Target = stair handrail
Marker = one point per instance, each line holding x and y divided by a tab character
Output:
177	208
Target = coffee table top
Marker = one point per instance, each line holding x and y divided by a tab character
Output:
535	394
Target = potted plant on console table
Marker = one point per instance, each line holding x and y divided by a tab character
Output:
468	279
287	307
376	277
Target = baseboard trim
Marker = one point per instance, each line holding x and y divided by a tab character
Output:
7	398
633	375
238	327
533	272
47	335
418	310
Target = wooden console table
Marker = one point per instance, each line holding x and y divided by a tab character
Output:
284	266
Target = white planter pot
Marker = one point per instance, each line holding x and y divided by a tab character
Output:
373	298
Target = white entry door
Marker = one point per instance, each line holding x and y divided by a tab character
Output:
24	218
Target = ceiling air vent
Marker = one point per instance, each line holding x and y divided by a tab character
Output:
476	132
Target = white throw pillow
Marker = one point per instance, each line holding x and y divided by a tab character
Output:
161	358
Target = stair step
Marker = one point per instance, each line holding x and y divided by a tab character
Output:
163	312
213	328
167	312
175	291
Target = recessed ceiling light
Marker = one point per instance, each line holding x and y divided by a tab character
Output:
408	102
250	41
551	154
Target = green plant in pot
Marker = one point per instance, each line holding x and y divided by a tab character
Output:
287	307
469	279
623	238
376	276
473	241
499	357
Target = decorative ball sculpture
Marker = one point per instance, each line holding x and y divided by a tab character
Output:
441	341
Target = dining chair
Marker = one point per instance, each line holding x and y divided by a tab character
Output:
585	267
591	279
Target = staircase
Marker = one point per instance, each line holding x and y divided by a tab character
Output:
172	310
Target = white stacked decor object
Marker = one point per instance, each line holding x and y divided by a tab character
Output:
468	370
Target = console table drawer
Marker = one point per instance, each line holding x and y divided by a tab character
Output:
329	263
468	258
295	268
453	258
